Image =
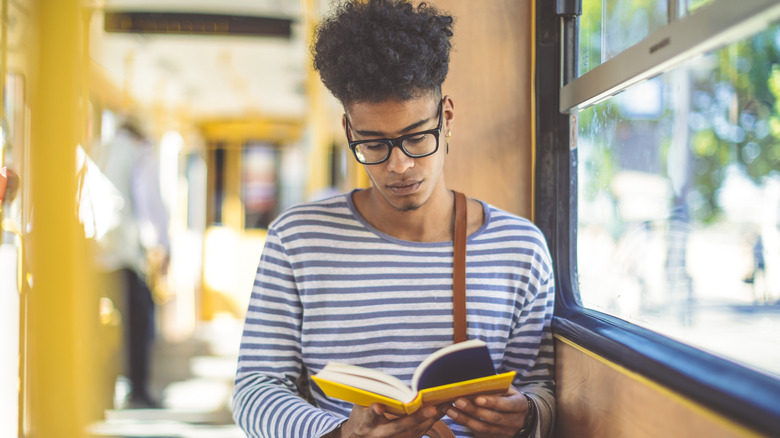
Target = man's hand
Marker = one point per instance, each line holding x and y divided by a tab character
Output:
493	416
374	422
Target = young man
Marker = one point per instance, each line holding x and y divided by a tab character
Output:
366	278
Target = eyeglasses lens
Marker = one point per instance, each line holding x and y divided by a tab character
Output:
416	146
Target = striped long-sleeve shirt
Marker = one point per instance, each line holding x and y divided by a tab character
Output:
330	287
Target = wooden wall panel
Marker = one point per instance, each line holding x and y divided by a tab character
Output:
598	399
490	83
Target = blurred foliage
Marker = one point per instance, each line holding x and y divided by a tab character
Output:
600	165
737	103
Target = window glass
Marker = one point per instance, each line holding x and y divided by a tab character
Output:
607	27
689	6
679	203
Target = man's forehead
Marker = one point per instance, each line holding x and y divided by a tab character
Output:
391	116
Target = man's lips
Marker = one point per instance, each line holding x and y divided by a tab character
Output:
404	187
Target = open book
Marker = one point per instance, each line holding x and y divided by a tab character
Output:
457	370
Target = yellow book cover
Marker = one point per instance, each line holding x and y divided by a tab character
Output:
457	370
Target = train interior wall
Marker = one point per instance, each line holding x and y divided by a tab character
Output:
599	398
491	80
491	158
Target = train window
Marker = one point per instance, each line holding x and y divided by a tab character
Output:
608	27
658	188
679	201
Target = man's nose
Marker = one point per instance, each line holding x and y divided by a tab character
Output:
399	162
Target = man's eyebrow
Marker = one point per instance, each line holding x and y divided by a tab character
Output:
409	128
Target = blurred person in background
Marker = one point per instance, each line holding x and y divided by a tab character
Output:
139	234
757	277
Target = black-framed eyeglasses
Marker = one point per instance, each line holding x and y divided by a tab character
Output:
415	145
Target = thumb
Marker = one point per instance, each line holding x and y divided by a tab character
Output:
377	411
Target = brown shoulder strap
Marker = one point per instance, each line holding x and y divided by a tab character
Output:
459	270
440	430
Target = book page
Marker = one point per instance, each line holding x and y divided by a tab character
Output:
368	380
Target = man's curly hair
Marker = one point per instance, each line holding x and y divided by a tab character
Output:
375	50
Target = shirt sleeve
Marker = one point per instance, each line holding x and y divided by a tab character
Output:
265	398
531	349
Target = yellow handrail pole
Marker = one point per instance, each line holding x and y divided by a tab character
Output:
318	155
3	64
318	119
59	309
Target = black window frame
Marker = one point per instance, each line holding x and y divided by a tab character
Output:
745	396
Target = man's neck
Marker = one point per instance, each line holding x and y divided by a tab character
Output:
431	222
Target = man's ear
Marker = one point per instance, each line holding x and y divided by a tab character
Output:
448	109
449	116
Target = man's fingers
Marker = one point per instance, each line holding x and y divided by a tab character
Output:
490	413
377	413
485	414
481	426
511	401
414	425
424	418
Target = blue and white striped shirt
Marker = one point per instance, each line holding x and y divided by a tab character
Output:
330	287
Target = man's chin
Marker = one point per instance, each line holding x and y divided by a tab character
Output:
406	203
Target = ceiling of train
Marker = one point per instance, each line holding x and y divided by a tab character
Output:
208	76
